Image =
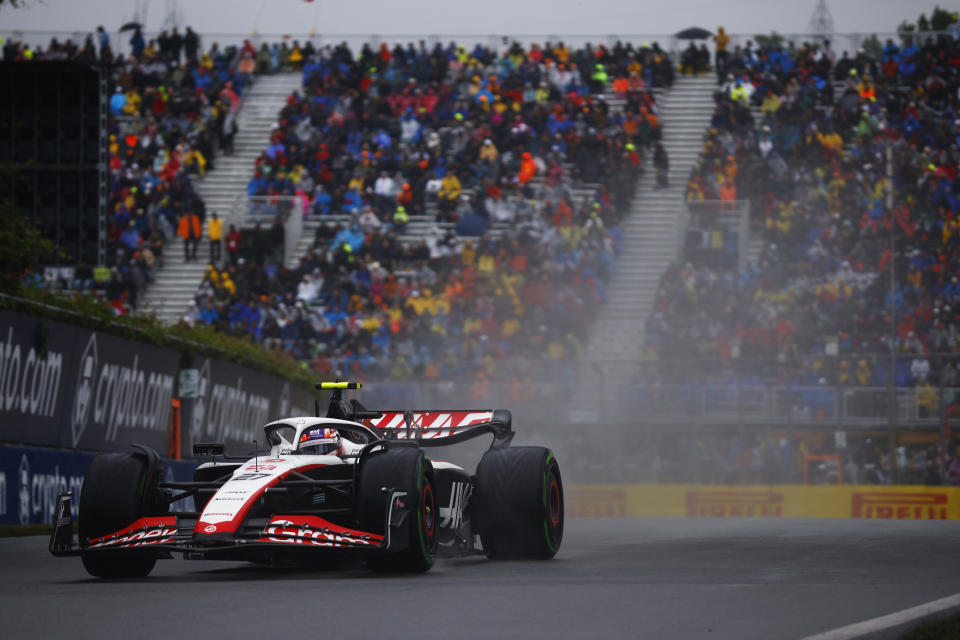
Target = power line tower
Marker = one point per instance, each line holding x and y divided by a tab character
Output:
821	22
141	7
174	16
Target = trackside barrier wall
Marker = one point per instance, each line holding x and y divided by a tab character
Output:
30	479
67	387
776	501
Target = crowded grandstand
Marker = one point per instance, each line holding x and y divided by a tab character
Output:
467	207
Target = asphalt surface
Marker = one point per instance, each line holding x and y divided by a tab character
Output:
654	578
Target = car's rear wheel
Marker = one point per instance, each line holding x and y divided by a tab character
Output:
518	503
405	469
118	489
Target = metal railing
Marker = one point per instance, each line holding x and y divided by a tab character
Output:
847	391
717	405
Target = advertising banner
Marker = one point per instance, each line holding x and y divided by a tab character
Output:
68	387
121	395
777	501
37	378
65	386
31	478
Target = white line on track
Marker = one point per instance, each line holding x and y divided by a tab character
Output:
892	624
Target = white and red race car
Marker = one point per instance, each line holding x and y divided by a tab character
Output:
369	488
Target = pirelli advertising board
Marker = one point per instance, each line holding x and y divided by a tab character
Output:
785	501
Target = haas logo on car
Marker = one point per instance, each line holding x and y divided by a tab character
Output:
452	515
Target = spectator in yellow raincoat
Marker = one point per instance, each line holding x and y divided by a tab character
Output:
450	190
296	57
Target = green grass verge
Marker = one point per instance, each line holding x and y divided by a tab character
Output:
18	530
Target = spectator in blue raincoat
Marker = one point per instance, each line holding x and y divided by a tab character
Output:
352	201
130	237
257	186
118	101
352	236
137	44
322	201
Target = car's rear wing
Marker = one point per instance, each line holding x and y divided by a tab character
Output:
443	427
429	427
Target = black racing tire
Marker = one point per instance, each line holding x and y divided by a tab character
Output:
518	503
406	469
117	490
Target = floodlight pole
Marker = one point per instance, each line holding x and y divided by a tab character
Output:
893	404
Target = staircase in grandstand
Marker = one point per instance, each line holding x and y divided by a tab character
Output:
652	231
177	281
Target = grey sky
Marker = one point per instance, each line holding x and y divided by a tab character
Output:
586	17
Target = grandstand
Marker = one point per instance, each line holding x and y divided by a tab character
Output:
491	216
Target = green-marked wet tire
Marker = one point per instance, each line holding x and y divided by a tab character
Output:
118	489
518	503
406	469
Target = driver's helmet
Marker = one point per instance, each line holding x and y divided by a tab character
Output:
319	441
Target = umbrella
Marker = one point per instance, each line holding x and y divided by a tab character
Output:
131	26
694	33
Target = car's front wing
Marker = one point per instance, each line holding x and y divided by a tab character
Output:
174	533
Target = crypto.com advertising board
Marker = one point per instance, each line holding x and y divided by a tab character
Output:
31	478
72	388
233	404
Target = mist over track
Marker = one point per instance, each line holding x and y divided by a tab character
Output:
687	578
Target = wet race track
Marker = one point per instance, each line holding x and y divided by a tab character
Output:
653	578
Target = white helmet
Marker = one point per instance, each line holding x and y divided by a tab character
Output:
319	441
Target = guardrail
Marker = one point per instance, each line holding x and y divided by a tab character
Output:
780	405
723	405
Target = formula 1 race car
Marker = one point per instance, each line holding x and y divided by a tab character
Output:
354	481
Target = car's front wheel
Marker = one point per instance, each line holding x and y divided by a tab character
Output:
118	489
405	469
